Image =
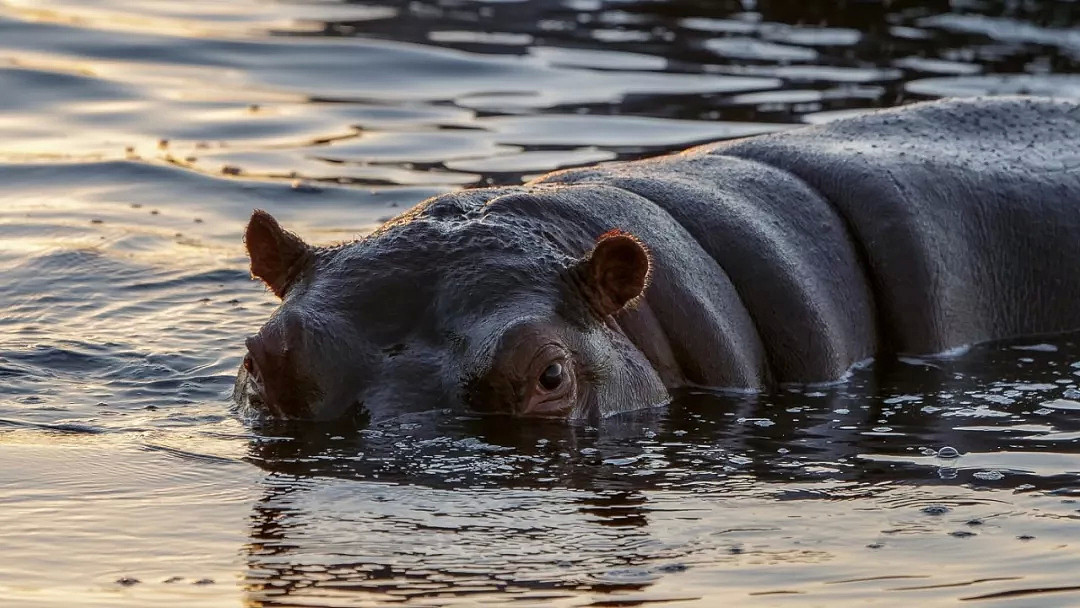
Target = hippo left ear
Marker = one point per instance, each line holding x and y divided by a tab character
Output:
617	271
275	252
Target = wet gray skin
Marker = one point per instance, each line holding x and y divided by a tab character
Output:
785	258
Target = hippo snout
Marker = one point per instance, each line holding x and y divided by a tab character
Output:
270	383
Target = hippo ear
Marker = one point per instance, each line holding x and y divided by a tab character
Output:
618	271
274	252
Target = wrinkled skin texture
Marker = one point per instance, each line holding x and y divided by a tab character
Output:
778	259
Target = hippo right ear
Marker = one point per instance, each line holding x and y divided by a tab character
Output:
275	252
617	272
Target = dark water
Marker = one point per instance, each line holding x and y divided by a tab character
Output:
137	135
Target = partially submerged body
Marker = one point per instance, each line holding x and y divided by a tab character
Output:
742	264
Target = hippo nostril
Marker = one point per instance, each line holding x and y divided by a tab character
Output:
249	365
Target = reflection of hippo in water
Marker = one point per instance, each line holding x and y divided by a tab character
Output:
783	258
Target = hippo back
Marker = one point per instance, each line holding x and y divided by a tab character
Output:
916	229
967	212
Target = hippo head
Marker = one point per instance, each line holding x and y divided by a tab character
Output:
428	313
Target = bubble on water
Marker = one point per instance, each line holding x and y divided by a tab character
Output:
1061	404
589	451
1033	386
948	452
618	462
1042	411
903	399
1042	348
1071	393
476	445
989	475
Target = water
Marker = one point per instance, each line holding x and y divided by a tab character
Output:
138	135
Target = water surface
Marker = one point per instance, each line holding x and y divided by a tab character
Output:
136	137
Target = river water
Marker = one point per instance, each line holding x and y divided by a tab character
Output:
137	135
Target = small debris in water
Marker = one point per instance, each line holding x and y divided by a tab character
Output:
1025	537
231	170
127	581
173	579
936	509
204	581
300	185
962	534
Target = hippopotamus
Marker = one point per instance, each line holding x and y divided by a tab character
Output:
785	258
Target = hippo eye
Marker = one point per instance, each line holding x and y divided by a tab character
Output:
552	377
